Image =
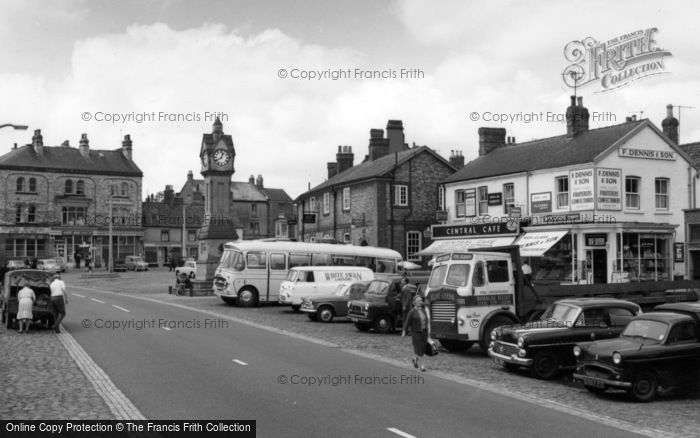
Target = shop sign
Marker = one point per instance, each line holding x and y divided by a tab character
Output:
608	189
470	202
495	199
439	231
441	215
649	154
541	202
596	239
679	252
582	185
309	218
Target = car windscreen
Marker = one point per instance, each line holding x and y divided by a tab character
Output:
437	276
377	289
563	313
646	329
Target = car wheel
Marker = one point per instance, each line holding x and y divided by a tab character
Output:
325	314
545	365
230	301
192	275
247	297
383	324
456	346
296	307
312	316
491	325
362	326
595	389
645	386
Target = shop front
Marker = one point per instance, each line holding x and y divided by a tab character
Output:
460	238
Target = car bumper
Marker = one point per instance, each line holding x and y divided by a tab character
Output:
601	382
223	294
513	359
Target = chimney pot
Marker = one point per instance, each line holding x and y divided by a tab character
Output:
669	110
84	146
127	146
573	100
576	118
251	179
670	124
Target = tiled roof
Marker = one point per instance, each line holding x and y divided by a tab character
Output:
70	160
277	195
693	150
208	140
164	215
245	191
547	153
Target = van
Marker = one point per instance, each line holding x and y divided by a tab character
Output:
306	281
135	263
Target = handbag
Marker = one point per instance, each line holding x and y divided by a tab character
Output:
431	348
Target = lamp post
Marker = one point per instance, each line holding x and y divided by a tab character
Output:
12	125
110	261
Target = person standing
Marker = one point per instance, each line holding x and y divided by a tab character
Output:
88	266
527	274
408	292
59	299
418	322
26	300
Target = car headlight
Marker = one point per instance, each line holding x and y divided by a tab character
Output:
366	306
617	358
577	351
493	335
521	342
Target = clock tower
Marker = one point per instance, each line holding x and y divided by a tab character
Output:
217	155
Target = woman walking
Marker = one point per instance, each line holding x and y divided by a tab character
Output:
26	299
418	322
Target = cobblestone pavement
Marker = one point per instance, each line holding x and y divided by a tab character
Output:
675	414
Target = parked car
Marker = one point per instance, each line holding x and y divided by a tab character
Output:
691	309
304	281
15	264
135	263
545	346
48	265
59	261
381	306
327	306
189	268
39	282
120	265
655	349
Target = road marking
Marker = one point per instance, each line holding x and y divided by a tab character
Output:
239	362
121	308
78	295
400	432
166	328
97	301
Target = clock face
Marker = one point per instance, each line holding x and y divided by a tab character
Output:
221	157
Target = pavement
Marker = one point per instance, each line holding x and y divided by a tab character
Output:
27	382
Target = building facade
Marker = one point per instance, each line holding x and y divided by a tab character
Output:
59	201
592	206
388	200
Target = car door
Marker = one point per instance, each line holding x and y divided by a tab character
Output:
592	324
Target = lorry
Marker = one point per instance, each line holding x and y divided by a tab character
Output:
472	293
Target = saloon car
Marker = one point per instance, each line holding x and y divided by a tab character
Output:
135	263
48	265
657	349
189	268
325	307
545	346
691	309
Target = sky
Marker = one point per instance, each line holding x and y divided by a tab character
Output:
162	70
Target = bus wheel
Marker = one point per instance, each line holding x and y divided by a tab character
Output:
325	314
247	297
383	324
456	346
229	301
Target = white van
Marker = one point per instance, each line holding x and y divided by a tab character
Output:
306	281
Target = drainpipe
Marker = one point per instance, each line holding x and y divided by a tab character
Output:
391	204
410	206
335	222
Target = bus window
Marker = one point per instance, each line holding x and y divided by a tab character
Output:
277	262
367	262
320	259
343	260
256	260
299	260
386	265
235	261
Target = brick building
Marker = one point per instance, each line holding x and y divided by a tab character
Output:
55	201
388	200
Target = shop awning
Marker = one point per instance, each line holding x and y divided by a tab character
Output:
460	245
535	244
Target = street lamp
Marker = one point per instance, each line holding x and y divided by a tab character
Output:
12	125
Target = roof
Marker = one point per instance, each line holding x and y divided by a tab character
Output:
546	153
245	191
693	150
596	302
277	195
693	306
668	317
208	140
67	159
373	169
163	215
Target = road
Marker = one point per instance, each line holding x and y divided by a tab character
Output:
176	363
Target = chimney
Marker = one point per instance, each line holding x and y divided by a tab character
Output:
217	130
84	146
169	195
38	142
251	179
259	182
490	139
576	118
670	124
378	145
190	176
332	169
344	158
456	159
65	144
394	132
126	147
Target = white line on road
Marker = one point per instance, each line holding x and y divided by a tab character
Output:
121	308
78	295
400	432
239	362
166	328
97	301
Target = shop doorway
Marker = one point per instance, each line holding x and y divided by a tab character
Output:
597	265
695	265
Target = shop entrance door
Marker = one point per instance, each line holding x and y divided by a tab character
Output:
600	266
695	265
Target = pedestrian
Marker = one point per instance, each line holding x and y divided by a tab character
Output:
527	274
77	260
59	299
26	300
418	322
408	292
88	266
172	264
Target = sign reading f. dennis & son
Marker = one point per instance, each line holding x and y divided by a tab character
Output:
649	154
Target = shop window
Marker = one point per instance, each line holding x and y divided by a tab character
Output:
661	185
69	187
413	245
20	184
644	257
483	193
632	186
508	196
32	185
562	183
460	203
401	195
556	265
346	199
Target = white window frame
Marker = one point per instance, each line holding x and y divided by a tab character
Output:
312	204
483	202
401	195
662	195
326	203
562	196
346	237
414	243
346	198
632	196
441	197
508	197
460	203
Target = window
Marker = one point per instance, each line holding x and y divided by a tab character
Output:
124	189
73	215
632	192
497	271
401	195
192	235
254	210
508	196
20	184
346	198
619	316
256	260
562	183
281	229
460	203
483	200
31	214
165	235
32	185
694	233
69	187
683	332
346	238
299	260
441	197
478	279
661	185
413	245
326	203
458	275
254	228
80	188
277	262
312	204
18	214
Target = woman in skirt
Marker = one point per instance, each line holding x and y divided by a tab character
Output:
26	299
418	322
